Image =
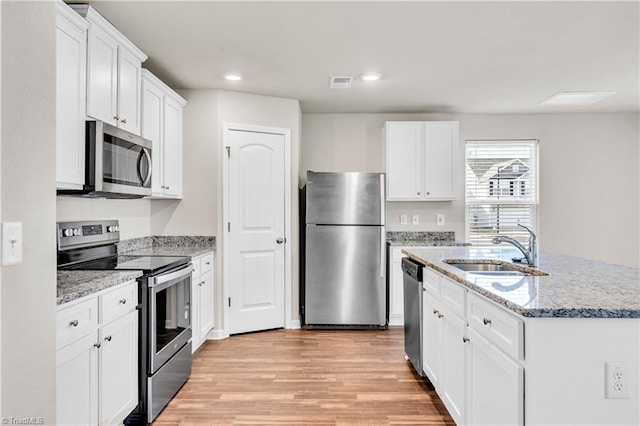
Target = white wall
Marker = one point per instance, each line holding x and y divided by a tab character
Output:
200	211
574	202
28	290
134	215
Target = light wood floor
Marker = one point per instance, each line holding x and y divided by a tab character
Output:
305	377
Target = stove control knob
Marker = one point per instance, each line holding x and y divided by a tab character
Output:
67	232
110	228
76	231
117	227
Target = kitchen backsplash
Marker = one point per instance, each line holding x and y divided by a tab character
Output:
166	241
422	238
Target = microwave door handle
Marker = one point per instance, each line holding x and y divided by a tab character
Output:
145	180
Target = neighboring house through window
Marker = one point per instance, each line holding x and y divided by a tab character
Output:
501	187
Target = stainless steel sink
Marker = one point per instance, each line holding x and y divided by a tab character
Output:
486	268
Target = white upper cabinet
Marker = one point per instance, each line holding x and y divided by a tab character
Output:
162	124
71	71
421	160
113	73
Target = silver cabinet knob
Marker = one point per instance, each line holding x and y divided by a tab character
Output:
73	323
279	240
486	321
124	120
107	339
116	117
465	339
97	345
123	301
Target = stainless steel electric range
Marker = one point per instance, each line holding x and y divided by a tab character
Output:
164	295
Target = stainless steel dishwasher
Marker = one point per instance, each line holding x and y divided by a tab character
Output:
412	285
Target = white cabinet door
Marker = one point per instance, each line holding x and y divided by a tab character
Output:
494	385
162	111
172	165
102	76
453	363
403	160
71	74
129	91
118	368
206	305
432	325
77	382
151	128
421	160
441	160
396	287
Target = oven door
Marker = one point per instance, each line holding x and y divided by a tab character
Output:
169	315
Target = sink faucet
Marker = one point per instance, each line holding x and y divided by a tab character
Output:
530	254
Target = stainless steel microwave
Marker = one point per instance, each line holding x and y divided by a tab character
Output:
118	164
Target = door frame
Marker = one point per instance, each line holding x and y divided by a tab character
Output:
286	133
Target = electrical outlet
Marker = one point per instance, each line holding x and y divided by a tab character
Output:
415	220
616	380
403	219
440	219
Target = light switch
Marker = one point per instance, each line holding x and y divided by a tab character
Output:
415	219
440	219
403	219
11	243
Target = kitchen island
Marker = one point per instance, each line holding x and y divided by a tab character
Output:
572	329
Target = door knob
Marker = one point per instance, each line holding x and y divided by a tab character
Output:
279	240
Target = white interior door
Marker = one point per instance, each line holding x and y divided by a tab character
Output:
256	231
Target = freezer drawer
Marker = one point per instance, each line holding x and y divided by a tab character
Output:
345	275
345	198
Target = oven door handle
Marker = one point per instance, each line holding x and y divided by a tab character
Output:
162	279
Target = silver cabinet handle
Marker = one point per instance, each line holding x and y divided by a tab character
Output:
123	301
73	323
107	339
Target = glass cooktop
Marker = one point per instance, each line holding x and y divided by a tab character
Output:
147	264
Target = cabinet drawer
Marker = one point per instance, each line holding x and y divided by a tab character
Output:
196	267
206	263
397	254
76	321
118	301
498	327
431	282
453	296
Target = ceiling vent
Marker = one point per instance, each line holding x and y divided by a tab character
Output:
340	82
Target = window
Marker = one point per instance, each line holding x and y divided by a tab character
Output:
501	186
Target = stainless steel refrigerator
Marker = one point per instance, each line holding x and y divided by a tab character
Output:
345	250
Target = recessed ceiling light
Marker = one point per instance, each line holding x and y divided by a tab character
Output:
233	77
576	98
370	76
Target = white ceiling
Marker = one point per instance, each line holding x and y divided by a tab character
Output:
468	57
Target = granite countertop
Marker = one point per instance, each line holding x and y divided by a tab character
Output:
73	285
574	288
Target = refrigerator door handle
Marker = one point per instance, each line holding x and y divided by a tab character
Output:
382	200
383	243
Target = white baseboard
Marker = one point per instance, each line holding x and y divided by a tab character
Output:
215	335
294	324
396	321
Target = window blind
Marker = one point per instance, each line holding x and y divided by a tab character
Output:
501	187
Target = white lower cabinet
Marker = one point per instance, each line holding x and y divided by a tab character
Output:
202	298
494	385
396	287
479	382
97	357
